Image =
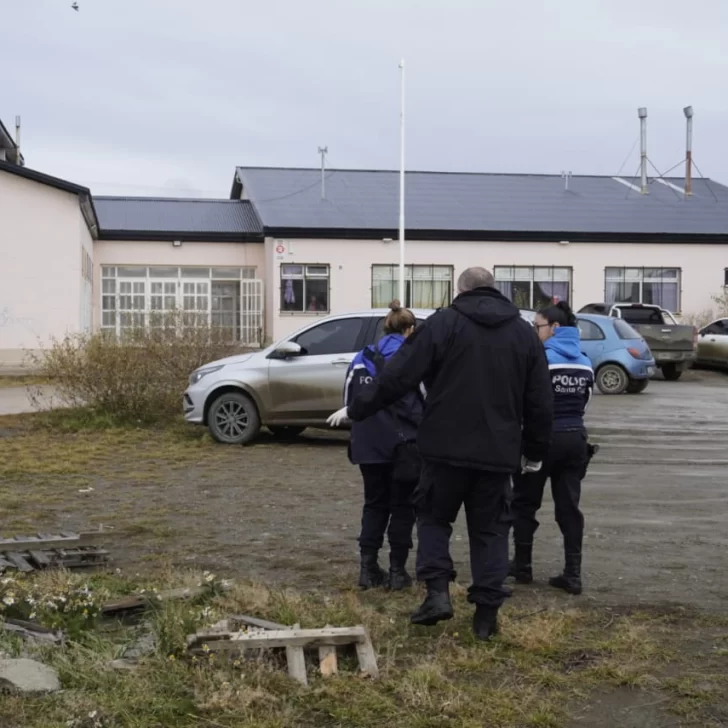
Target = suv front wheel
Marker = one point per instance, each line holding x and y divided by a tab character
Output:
233	419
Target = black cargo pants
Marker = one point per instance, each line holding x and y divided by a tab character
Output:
387	509
442	490
566	466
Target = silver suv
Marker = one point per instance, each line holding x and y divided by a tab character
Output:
293	384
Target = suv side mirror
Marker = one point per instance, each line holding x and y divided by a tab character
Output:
286	350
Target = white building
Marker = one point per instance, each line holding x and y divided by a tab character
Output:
278	253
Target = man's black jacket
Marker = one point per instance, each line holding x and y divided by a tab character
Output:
489	395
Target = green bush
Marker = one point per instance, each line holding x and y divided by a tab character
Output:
138	378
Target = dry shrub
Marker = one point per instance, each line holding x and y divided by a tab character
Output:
138	378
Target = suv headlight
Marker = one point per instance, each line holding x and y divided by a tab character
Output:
200	373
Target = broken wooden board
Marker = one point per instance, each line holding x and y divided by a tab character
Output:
134	602
68	558
32	631
42	541
294	641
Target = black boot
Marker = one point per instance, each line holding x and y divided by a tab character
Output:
399	579
570	580
485	622
437	606
520	567
371	574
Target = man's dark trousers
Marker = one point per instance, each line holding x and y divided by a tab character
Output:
442	490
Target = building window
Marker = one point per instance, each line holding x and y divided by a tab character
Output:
134	297
658	286
425	286
305	288
533	287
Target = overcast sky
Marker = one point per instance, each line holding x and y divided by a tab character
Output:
165	97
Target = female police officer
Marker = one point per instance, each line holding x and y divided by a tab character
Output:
572	380
375	447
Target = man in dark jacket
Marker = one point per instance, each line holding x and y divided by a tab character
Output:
488	413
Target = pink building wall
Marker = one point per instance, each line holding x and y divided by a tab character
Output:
351	263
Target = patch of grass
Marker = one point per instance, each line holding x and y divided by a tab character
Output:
540	664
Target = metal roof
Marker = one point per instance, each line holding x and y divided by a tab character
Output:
161	218
442	205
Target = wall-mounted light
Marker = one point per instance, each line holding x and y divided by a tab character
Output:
177	243
386	240
563	242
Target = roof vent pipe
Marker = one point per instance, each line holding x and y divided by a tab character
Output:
688	111
642	113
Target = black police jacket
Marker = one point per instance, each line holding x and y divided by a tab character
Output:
489	396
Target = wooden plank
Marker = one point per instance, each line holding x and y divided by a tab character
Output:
367	657
18	561
255	622
5	564
332	636
33	542
296	663
40	559
125	604
327	660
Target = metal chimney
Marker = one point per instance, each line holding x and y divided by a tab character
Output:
642	113
17	140
688	111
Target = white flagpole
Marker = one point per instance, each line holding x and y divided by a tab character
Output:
402	297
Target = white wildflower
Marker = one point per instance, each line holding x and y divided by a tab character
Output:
8	601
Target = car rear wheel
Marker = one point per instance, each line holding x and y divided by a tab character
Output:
233	419
612	379
285	432
671	372
636	386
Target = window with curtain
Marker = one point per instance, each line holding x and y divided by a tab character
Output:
658	286
533	287
425	286
304	288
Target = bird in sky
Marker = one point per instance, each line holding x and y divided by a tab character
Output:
75	6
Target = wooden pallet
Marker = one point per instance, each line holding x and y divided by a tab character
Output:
67	550
294	640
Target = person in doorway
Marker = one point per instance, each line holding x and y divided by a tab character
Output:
374	448
488	401
572	379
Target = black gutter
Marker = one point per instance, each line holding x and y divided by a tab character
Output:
183	237
44	179
515	236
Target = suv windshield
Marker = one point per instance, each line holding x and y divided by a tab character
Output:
624	330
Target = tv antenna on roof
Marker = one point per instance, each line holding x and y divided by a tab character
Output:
323	151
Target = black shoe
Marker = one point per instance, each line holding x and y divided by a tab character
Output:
520	572
371	574
569	583
399	579
570	580
485	622
520	567
437	607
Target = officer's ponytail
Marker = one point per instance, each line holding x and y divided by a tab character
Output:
399	320
560	313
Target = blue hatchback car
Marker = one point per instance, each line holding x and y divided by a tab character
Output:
621	358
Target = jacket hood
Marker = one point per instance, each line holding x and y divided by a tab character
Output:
565	342
486	307
389	344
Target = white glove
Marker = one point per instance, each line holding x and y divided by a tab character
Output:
338	418
529	466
